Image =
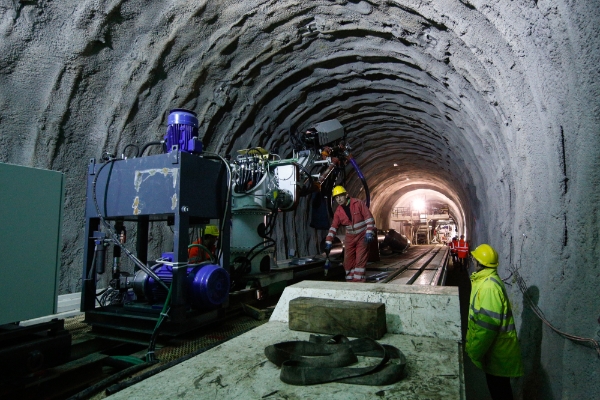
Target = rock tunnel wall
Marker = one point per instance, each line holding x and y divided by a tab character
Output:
493	104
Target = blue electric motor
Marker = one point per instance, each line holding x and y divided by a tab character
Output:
182	131
207	285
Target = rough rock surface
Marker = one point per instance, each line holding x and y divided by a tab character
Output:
491	104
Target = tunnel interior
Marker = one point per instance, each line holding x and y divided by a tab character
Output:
488	107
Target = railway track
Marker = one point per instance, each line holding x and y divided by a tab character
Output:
420	265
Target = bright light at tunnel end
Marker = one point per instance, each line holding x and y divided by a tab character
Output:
418	205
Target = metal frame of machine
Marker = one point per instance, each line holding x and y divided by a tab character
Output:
169	188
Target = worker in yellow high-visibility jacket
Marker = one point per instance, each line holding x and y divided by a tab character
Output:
492	342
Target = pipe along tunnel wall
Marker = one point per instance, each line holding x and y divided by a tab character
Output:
492	104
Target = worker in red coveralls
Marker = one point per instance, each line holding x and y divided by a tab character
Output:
462	252
355	216
453	246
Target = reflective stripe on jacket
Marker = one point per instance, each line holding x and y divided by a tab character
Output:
492	341
362	220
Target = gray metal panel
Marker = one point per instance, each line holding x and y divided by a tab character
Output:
156	185
31	203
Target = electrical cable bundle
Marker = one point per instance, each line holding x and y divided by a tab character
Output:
111	296
249	172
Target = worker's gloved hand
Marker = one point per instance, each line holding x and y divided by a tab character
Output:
369	237
327	247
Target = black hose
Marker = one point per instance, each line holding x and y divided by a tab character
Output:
137	150
267	246
155	143
271	223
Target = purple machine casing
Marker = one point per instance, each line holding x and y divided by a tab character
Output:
182	131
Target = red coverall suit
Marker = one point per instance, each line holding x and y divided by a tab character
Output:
356	253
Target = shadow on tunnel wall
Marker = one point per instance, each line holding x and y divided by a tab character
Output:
534	384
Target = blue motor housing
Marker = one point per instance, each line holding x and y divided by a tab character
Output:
207	285
182	131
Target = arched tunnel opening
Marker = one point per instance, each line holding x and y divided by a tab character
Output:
486	112
443	218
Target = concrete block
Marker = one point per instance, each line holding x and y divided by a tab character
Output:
430	311
349	318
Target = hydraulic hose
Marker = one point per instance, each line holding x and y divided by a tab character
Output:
135	154
92	390
150	357
155	143
362	179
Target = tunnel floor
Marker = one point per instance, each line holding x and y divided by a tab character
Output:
89	354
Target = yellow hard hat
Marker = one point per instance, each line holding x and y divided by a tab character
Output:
338	190
486	255
211	230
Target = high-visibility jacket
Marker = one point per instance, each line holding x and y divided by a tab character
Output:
462	249
492	342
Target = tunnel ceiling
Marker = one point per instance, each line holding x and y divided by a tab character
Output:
441	95
414	84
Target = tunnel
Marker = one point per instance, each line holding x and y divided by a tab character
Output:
488	107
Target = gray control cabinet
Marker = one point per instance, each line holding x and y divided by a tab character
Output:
31	206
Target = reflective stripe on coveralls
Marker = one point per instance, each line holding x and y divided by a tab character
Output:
492	341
